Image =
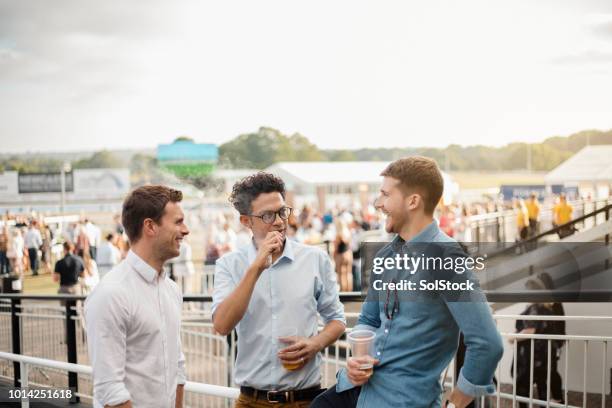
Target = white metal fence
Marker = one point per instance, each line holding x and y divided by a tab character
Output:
210	357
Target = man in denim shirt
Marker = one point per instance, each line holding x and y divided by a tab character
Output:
415	341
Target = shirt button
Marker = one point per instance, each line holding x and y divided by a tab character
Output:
386	330
378	353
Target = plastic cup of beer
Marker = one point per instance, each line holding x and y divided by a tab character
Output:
287	336
362	344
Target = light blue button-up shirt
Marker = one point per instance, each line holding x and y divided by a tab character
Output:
291	292
420	341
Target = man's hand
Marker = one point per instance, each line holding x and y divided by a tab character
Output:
458	398
271	244
356	374
299	352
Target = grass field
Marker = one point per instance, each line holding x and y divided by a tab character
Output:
41	285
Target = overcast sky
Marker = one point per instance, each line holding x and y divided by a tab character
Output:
78	75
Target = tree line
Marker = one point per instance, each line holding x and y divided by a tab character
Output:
267	146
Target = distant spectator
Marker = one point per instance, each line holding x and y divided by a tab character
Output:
68	270
522	219
15	251
91	276
562	214
108	256
183	268
93	237
82	241
533	213
118	227
33	242
45	249
226	239
343	256
4	242
540	347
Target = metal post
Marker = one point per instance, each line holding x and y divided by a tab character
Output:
16	335
71	348
607	239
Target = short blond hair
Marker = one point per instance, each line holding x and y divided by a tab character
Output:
421	174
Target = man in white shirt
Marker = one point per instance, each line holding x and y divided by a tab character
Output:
93	236
108	256
133	316
33	241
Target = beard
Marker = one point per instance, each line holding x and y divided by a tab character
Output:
395	222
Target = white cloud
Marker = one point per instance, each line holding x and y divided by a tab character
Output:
85	74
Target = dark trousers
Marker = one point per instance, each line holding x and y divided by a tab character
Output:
540	378
4	263
33	254
93	252
333	399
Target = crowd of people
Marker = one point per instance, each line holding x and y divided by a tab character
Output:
309	244
274	290
28	245
31	246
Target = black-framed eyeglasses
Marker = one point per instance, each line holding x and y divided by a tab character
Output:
269	217
395	307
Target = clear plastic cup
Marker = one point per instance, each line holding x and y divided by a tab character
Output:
287	335
362	344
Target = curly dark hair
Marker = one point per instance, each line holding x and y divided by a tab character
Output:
249	188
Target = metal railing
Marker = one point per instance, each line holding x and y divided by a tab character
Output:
38	329
25	362
501	226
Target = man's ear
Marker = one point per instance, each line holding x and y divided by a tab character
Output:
149	227
245	220
413	201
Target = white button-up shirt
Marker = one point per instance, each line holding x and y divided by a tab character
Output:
32	238
133	320
107	257
300	285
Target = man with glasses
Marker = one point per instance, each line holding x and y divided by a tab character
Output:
417	339
270	288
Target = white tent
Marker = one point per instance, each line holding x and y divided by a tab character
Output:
590	170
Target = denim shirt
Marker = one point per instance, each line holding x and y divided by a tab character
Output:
418	343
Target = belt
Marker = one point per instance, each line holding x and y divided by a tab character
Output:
306	394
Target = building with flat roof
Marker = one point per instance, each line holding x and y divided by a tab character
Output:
590	170
351	184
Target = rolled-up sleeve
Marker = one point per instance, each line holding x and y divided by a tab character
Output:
328	301
106	317
224	284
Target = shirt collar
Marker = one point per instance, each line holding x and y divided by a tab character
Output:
426	235
287	251
145	270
